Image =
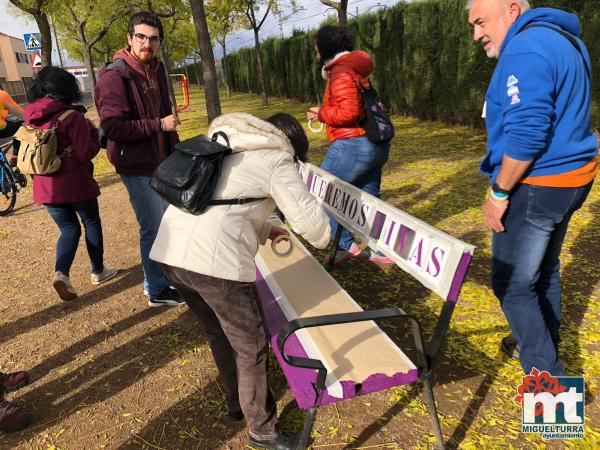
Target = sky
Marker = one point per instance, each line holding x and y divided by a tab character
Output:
312	14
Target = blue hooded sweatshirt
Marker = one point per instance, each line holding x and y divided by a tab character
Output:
538	103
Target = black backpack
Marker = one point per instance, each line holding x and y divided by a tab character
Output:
187	178
378	125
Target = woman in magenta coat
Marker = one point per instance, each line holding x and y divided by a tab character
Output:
71	193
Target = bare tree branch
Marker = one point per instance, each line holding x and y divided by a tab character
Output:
266	14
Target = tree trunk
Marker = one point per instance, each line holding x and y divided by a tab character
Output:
209	73
259	68
167	64
86	51
224	68
342	17
44	25
87	59
195	66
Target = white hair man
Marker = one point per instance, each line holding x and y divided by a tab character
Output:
541	162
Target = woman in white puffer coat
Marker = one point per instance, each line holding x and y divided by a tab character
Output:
209	258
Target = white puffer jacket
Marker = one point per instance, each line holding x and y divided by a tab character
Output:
222	242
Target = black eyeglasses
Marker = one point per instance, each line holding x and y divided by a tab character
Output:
141	38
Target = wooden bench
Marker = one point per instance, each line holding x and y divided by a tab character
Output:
329	348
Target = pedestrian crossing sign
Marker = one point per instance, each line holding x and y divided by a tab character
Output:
33	41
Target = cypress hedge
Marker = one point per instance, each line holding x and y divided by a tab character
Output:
426	62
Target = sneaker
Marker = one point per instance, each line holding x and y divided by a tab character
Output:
510	346
378	258
284	441
63	286
13	418
168	297
344	255
105	275
10	382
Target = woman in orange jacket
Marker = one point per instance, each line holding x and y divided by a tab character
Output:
351	156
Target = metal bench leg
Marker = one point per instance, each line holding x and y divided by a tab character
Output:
307	429
334	248
433	413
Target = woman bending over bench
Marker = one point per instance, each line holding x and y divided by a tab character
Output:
209	258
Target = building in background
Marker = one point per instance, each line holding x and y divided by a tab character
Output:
81	73
16	73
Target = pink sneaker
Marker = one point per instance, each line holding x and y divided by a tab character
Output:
345	255
376	257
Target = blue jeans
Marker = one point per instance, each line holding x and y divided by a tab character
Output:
149	208
526	269
65	216
357	161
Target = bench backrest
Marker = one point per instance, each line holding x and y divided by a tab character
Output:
436	259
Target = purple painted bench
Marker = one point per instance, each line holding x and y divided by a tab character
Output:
304	308
302	381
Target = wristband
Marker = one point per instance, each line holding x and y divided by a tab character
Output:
498	195
497	189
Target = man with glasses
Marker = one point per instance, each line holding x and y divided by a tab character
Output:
136	117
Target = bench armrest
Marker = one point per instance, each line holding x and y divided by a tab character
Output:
335	319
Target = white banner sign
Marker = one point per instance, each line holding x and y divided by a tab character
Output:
436	259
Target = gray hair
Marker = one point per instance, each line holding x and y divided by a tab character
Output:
524	4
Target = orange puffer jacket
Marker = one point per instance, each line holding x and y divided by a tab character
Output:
342	109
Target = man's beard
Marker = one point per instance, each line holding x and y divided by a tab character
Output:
492	51
145	56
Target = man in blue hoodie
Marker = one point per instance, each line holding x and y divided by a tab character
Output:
541	162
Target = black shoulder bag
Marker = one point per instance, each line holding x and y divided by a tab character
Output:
187	178
378	125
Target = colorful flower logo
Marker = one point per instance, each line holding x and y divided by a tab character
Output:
538	382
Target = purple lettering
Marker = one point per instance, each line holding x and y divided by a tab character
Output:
377	225
328	194
315	179
353	209
335	198
364	210
436	262
322	187
404	241
417	253
391	229
309	179
345	201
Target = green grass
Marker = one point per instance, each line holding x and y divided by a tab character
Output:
433	174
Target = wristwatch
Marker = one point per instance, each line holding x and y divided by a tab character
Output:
497	189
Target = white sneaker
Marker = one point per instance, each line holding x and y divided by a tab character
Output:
63	287
105	275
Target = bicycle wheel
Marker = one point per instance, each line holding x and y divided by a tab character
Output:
8	190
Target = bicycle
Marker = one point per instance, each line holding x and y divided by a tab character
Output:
11	180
